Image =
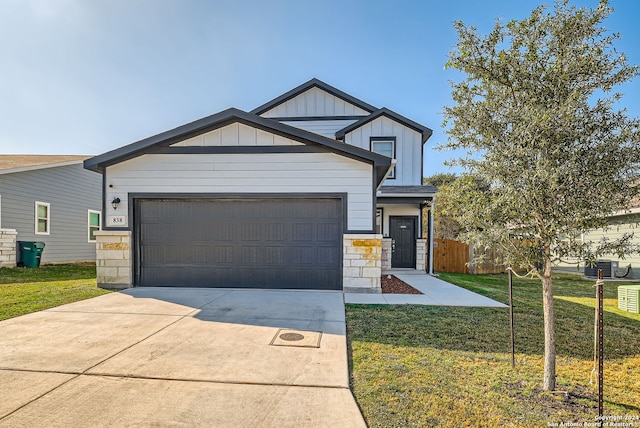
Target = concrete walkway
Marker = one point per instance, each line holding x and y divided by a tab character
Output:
180	357
435	292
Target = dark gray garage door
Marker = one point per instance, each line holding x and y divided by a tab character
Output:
252	243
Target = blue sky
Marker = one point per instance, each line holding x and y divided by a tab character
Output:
88	76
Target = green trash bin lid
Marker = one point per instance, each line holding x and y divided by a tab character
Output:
38	245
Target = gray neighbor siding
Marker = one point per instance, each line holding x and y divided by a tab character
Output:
71	191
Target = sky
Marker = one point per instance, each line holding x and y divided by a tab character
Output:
89	76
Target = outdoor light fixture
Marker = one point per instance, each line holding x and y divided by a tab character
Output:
115	203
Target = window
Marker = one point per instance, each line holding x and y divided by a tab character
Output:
43	218
379	221
94	224
385	146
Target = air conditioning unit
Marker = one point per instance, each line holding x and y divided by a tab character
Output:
629	298
608	266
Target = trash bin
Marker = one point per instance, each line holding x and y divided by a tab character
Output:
30	253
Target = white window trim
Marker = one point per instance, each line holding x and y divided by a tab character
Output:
89	212
48	205
392	140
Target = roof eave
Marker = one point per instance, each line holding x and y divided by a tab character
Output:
40	166
424	131
100	162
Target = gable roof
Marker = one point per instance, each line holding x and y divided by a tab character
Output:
423	130
18	163
313	83
232	115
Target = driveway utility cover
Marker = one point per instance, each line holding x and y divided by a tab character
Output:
297	338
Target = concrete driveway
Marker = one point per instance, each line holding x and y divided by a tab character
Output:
180	357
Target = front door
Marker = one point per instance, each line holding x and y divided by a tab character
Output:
402	231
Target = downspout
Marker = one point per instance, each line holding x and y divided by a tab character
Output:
431	209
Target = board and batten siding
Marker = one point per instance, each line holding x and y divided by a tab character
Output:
326	128
408	148
315	102
237	134
70	192
280	173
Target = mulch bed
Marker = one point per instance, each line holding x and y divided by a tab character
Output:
392	285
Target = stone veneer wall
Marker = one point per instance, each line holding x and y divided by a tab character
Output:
8	247
113	259
421	254
362	263
386	253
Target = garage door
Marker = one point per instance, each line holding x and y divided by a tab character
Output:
248	243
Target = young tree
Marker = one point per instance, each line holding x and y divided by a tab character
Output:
537	104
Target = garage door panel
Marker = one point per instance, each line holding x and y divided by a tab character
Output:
276	256
327	232
274	232
253	243
328	256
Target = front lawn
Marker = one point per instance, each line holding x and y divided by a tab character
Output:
444	366
26	290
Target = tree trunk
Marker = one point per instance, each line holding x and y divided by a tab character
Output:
549	383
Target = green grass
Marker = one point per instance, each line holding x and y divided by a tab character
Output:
446	366
26	290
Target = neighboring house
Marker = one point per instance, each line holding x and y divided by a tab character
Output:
50	199
315	189
613	266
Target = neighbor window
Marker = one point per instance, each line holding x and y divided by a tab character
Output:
94	224
385	146
43	218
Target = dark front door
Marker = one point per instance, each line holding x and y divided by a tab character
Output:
248	243
402	231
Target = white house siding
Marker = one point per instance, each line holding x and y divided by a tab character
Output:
315	102
245	173
71	191
619	225
408	148
237	134
326	128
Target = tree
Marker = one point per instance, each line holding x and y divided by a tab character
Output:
537	104
445	226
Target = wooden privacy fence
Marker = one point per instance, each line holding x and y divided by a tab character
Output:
450	256
455	257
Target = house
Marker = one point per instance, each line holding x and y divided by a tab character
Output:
50	199
619	224
314	189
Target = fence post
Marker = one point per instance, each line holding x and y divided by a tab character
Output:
600	341
513	342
